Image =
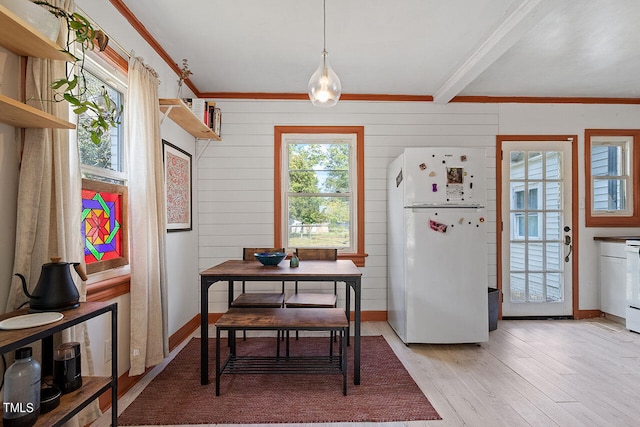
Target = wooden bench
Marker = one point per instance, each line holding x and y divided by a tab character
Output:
282	319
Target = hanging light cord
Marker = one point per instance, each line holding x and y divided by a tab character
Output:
324	25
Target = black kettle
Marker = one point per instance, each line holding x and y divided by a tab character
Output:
55	290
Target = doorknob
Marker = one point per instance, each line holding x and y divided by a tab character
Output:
567	242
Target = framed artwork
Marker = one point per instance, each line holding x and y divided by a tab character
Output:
177	178
104	225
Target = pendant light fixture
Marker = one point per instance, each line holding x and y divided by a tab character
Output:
324	85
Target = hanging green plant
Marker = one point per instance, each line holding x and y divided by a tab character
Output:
104	112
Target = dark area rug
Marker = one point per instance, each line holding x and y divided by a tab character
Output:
386	393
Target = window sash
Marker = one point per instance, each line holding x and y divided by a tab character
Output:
280	133
630	215
327	139
611	192
96	67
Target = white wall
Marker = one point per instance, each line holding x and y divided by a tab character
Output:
182	246
573	119
100	339
235	177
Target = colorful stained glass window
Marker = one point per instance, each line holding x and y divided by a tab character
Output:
103	229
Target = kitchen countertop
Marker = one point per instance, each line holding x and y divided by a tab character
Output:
615	239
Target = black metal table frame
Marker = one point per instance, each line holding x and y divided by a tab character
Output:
352	282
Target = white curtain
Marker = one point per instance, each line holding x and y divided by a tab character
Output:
49	201
149	335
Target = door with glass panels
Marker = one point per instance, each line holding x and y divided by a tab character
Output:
536	236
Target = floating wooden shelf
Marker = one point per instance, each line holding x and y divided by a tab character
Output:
182	115
22	39
21	115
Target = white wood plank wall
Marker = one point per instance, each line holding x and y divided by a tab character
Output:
235	176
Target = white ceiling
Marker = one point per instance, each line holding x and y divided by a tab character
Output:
443	48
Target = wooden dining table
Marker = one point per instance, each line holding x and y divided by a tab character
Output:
308	271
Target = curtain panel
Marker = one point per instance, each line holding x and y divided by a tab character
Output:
147	212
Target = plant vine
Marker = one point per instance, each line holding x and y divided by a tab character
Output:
104	112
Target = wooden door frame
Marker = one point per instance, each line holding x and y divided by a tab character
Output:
575	211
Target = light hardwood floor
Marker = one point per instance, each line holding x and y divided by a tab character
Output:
530	373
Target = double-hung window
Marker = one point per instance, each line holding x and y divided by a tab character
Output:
319	189
104	161
104	184
611	162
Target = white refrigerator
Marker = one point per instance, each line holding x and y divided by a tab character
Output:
437	246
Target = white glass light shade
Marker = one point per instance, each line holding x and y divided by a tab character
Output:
324	85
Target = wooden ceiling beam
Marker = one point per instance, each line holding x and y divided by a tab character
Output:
525	17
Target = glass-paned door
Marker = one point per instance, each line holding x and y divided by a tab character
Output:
536	212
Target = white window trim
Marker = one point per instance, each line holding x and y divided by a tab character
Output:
626	143
351	139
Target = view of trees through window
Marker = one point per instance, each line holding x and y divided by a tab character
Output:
319	195
105	155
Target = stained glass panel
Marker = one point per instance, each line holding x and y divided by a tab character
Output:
103	225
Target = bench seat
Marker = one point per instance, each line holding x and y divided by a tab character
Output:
278	319
308	319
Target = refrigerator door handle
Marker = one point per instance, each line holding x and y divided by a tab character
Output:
444	206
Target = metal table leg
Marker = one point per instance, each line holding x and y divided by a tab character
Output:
218	361
204	331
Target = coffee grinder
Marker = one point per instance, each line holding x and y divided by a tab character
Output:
66	367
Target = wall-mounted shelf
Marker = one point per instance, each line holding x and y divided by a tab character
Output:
182	115
21	115
22	39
